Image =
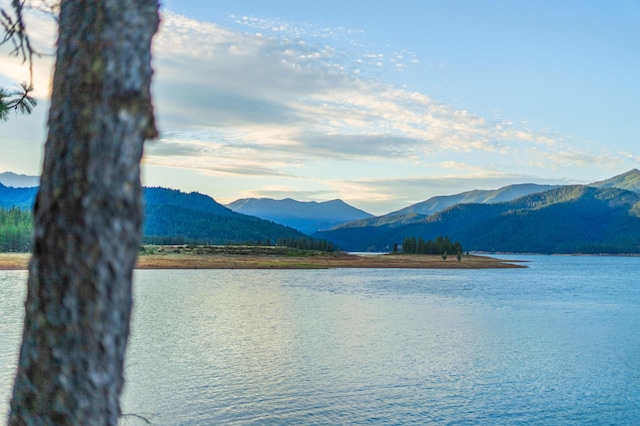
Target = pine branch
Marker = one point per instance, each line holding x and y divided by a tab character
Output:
20	101
14	28
15	32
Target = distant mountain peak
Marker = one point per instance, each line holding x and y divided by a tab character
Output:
15	180
306	216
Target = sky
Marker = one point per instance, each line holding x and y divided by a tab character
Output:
380	104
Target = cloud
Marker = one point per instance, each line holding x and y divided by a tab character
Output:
347	147
273	104
300	110
276	98
285	100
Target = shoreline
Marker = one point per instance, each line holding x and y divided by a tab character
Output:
175	259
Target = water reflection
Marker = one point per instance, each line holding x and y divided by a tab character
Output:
545	345
384	347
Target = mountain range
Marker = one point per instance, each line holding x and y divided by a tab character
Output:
506	193
603	217
174	215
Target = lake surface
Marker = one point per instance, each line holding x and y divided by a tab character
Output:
556	343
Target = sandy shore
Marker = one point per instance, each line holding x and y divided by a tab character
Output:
178	260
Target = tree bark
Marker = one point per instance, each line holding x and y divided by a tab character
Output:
88	216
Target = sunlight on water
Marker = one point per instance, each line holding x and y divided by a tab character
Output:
551	344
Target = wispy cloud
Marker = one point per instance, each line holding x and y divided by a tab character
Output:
284	99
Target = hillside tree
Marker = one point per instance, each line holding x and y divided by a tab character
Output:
88	215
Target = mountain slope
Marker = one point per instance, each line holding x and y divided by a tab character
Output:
307	217
417	212
17	197
569	219
155	196
629	181
507	193
198	217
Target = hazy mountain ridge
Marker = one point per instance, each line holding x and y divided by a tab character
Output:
506	193
568	219
416	212
19	181
307	217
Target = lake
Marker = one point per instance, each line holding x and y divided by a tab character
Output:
556	343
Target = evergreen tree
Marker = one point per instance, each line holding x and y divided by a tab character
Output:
15	230
440	245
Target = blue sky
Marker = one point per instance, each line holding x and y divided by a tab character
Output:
381	104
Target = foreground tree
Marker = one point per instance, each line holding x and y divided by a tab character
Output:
88	216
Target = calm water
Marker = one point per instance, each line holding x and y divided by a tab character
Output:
556	343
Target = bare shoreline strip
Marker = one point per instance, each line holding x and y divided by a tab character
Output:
19	261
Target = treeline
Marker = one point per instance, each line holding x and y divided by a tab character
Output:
441	245
15	230
180	241
172	241
303	243
307	243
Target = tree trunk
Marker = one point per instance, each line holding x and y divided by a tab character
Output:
88	216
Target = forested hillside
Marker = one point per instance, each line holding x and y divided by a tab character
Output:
176	225
175	217
629	181
506	193
417	212
172	217
569	219
17	197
